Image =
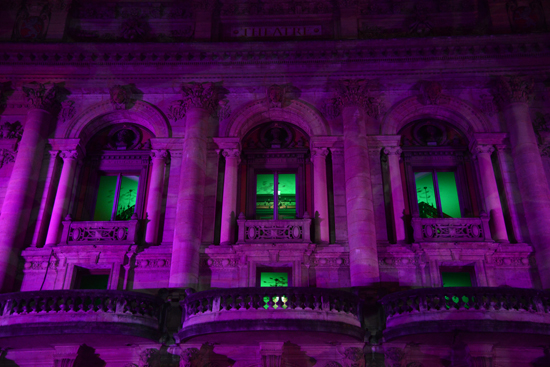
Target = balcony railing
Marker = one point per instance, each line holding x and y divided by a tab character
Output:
68	311
451	229
282	230
475	309
122	232
277	308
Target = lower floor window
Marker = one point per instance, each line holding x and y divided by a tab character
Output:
116	197
91	279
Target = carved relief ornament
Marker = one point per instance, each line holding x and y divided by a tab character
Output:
119	97
353	92
41	96
200	95
513	89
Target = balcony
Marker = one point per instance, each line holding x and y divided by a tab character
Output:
483	309
271	309
270	231
62	312
451	229
121	232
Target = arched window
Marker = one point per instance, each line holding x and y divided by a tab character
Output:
275	172
113	181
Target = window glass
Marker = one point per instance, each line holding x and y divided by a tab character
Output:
94	281
127	198
448	194
272	279
287	196
105	198
265	184
425	195
456	279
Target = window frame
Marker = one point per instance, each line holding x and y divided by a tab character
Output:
114	163
275	174
434	170
270	161
438	159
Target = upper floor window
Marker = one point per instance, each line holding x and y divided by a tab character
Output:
439	173
275	172
114	178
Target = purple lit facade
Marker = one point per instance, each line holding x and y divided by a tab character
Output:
275	183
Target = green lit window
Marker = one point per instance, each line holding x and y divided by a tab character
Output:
456	279
276	206
116	197
273	279
437	194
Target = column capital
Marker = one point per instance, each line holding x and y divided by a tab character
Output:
356	92
393	151
232	153
54	153
159	154
482	149
319	152
513	89
41	96
201	95
70	154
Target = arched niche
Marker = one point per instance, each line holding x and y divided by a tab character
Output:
101	115
255	113
453	110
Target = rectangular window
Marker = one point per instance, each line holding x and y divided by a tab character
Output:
91	278
276	195
456	279
116	197
274	279
437	194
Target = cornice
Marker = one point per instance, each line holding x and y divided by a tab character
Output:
393	50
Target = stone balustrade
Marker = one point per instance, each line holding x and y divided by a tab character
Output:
282	230
122	232
475	309
451	229
276	308
80	311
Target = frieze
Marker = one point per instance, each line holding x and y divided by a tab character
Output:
240	8
40	265
221	263
394	50
152	263
398	262
512	262
328	262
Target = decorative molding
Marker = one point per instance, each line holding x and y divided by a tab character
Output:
221	263
430	93
329	262
152	263
176	111
41	96
68	111
398	50
119	97
398	262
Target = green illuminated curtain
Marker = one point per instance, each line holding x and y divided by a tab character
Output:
437	195
116	192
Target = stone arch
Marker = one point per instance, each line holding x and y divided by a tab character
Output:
257	112
453	110
96	117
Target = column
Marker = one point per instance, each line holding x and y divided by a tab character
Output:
20	192
359	202
154	195
199	101
230	189
513	94
490	192
320	195
396	189
62	197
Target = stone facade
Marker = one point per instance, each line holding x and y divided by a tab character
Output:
197	102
